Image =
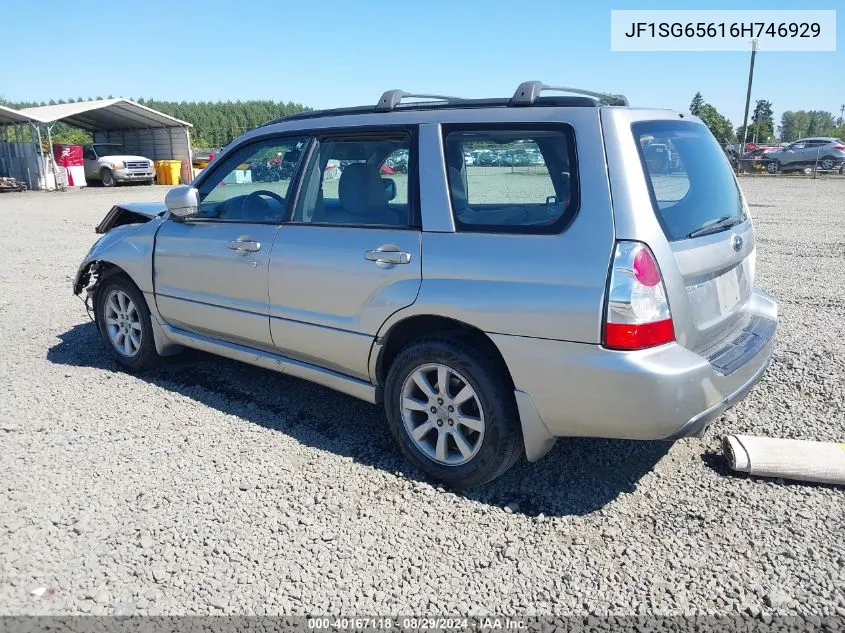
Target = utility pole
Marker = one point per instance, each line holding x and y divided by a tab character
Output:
748	99
841	115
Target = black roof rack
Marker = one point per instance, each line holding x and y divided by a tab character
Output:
528	92
392	98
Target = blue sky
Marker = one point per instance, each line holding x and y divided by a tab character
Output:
336	53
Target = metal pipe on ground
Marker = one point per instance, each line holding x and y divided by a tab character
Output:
802	460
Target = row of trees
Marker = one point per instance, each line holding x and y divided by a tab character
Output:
793	125
215	123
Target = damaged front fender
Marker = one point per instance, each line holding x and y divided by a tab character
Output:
129	247
130	213
126	249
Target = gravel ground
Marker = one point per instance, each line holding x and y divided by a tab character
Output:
209	486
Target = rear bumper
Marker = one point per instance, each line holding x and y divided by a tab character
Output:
663	393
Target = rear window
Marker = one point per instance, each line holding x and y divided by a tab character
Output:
693	190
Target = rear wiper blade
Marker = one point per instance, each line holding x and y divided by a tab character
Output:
714	226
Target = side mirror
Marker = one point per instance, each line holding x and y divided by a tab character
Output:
389	188
182	202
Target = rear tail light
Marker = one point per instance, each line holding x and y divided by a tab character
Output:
839	147
638	314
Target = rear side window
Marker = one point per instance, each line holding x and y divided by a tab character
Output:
693	190
511	180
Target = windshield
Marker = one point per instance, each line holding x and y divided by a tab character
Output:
690	179
110	149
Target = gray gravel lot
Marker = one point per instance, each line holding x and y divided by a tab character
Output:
209	486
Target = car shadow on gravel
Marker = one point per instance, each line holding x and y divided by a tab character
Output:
577	477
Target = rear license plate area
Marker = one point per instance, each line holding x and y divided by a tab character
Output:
727	290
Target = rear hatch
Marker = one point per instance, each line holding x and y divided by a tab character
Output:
704	217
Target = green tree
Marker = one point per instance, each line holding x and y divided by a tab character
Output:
696	104
821	123
802	123
763	122
788	127
719	125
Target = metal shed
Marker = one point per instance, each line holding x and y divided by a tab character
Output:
19	159
140	129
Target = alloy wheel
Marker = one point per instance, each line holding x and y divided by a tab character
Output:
123	323
442	414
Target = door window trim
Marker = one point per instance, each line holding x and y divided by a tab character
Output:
356	133
229	160
569	214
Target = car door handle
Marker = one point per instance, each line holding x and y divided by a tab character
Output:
392	257
244	245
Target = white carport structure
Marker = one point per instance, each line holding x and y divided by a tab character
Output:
140	129
19	159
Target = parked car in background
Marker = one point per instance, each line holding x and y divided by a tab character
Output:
823	152
731	154
628	316
516	158
469	160
488	159
535	157
398	161
657	156
111	164
757	159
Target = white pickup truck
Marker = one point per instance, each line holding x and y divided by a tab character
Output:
110	163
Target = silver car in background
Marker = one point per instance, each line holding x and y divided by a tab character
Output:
824	152
490	310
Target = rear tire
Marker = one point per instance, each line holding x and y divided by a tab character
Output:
827	163
123	320
472	436
107	177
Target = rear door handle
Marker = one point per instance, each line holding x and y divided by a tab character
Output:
387	257
244	245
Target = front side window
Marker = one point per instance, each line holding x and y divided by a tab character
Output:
691	183
520	181
252	184
357	181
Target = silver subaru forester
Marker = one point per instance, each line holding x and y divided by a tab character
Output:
596	279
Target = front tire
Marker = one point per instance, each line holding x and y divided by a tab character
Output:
451	409
773	167
107	177
123	319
